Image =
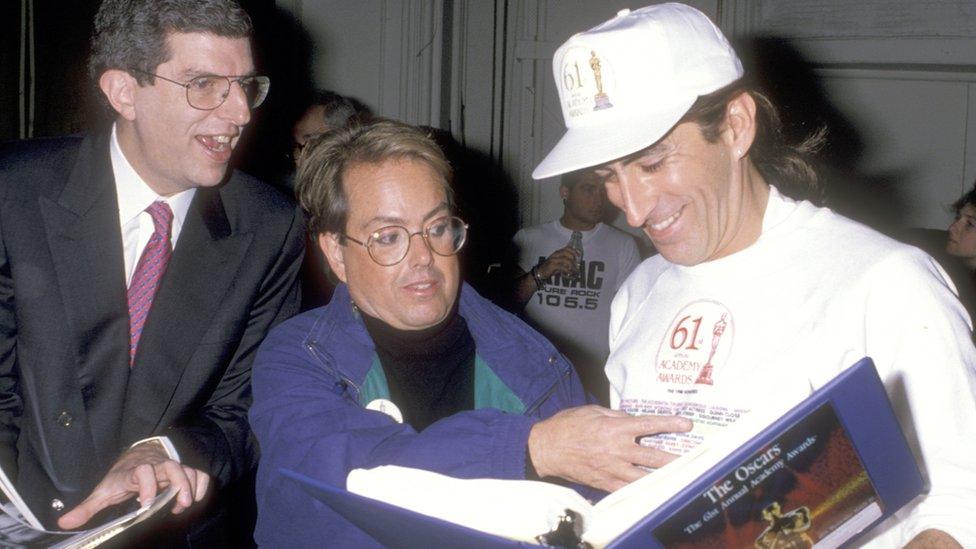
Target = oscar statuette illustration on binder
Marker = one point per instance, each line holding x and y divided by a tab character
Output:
20	528
820	474
807	486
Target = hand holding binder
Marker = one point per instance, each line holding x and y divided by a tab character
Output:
595	446
838	461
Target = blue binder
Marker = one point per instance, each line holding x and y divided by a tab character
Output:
834	465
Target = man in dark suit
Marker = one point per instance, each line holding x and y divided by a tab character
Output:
138	276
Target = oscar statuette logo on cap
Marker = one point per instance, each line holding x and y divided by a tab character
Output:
601	99
587	82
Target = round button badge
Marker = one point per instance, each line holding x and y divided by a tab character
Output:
387	407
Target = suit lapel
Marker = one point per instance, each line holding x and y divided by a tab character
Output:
85	242
207	256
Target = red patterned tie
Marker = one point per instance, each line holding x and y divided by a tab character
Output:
145	279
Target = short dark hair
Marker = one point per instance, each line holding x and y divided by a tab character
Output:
328	157
968	199
788	166
571	179
339	110
131	34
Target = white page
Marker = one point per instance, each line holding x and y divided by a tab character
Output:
516	509
14	497
616	513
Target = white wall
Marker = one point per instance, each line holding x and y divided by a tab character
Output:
899	75
903	75
385	53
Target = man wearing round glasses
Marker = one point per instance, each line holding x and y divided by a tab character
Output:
139	275
406	365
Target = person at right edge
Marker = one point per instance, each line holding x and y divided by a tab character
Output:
960	247
755	297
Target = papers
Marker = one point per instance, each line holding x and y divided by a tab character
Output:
20	528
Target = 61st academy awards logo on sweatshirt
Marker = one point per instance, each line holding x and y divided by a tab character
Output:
696	345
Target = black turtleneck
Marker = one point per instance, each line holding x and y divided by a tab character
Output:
430	371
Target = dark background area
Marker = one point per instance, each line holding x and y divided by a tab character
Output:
63	100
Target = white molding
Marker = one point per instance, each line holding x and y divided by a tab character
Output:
867	19
435	73
738	18
457	91
411	35
923	51
477	101
498	104
941	32
926	73
523	91
969	158
535	50
389	103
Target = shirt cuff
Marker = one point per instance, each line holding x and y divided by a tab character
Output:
163	443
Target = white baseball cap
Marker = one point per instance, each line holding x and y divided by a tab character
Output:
626	82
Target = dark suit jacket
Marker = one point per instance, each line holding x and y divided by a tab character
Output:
69	404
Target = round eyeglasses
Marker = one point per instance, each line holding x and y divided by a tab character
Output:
388	246
209	91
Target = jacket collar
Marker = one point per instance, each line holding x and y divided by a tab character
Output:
501	340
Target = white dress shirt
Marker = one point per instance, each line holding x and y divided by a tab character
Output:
134	197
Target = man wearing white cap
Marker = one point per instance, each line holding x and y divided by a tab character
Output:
755	299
